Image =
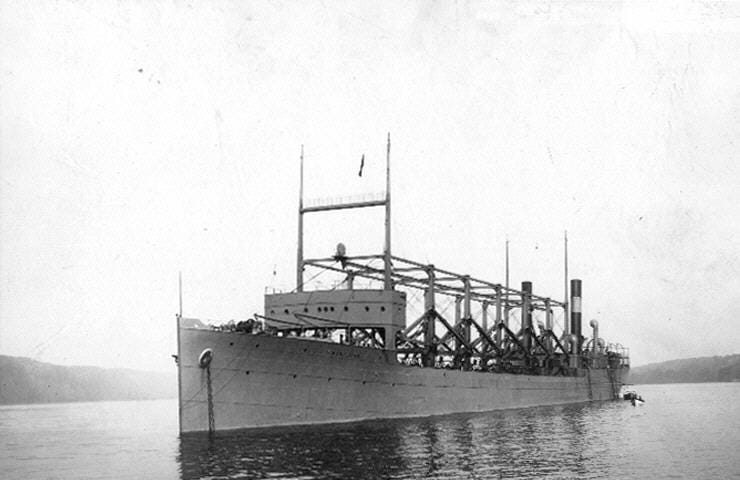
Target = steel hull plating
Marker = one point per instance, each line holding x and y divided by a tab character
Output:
263	380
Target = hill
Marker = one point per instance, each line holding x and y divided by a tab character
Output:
689	370
23	380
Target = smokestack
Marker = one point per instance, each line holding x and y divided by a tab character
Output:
575	313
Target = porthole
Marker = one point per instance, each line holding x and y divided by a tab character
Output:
305	310
332	309
286	311
346	308
231	344
247	372
367	309
382	309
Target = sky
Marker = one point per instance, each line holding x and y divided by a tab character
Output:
139	140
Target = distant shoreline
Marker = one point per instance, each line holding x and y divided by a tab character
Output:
75	402
717	369
24	381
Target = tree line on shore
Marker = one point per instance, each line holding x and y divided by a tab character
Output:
23	380
689	370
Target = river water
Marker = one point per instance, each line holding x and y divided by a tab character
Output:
682	431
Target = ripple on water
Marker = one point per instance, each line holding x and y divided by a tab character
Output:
683	431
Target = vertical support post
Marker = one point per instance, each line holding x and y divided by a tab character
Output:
548	323
387	251
429	295
498	316
575	315
468	316
350	281
506	302
484	315
526	315
458	317
299	260
429	308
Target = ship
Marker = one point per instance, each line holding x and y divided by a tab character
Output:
358	351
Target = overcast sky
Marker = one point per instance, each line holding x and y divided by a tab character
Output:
141	139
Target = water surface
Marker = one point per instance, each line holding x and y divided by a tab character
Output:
682	431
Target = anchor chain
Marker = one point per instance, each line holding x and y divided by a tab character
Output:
211	419
204	362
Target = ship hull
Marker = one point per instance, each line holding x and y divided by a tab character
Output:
262	380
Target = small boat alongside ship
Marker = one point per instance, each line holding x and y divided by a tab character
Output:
633	397
357	352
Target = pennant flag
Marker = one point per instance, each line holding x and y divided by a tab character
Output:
362	165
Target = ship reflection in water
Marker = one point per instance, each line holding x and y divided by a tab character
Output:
682	431
557	442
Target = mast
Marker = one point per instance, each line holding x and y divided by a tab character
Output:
506	295
299	262
179	280
507	267
387	250
566	327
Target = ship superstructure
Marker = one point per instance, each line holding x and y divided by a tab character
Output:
353	352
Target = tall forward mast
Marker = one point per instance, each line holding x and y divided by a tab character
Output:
319	206
387	284
299	262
